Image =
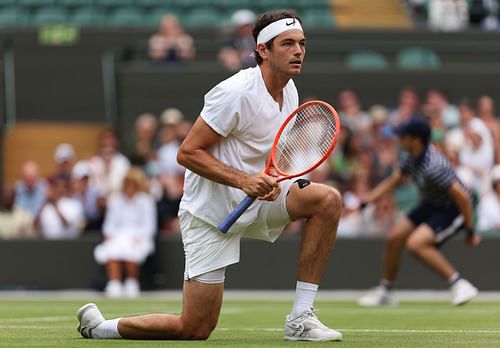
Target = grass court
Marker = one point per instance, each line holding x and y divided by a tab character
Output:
41	321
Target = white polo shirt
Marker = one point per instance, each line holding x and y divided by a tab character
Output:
243	112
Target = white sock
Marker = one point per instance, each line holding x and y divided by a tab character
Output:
304	298
107	329
454	278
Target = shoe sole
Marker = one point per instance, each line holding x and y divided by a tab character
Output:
337	339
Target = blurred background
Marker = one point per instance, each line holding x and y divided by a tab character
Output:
98	94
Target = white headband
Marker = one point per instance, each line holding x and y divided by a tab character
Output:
276	28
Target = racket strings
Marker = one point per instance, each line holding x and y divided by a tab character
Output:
306	139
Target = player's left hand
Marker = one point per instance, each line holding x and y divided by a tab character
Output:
271	196
473	240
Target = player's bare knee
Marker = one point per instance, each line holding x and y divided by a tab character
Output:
198	332
414	246
331	203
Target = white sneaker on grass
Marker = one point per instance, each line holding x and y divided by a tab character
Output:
307	327
378	296
462	292
131	288
89	317
114	289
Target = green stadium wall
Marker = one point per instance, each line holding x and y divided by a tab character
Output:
354	264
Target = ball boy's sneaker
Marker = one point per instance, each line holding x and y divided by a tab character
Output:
462	292
307	327
378	296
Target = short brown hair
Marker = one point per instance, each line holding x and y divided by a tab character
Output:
264	20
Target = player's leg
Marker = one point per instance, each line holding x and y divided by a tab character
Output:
423	243
201	308
382	294
394	247
321	206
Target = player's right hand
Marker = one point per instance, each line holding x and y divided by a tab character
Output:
259	184
473	240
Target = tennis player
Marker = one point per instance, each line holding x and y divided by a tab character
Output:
225	154
445	209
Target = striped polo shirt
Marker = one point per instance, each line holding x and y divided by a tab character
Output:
432	173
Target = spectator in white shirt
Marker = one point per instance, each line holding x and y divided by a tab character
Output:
448	15
489	205
477	152
129	229
108	166
61	217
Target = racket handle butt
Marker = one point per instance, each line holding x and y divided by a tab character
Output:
225	225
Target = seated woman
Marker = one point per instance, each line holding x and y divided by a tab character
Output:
129	229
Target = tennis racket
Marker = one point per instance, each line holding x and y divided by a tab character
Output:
304	141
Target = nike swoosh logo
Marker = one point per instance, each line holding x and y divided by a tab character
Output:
290	23
295	327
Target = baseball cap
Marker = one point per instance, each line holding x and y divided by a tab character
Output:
171	116
416	127
64	152
243	17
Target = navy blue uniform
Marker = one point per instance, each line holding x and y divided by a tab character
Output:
434	175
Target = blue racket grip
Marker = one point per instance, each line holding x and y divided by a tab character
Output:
225	225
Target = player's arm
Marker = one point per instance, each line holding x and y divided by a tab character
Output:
194	155
385	186
461	198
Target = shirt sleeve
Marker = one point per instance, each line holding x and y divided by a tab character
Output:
221	110
442	177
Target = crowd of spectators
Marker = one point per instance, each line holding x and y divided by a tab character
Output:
455	15
467	133
130	194
75	197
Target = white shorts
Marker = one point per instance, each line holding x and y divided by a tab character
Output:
207	249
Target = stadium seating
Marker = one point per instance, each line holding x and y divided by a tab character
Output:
192	13
115	3
366	60
11	16
75	3
201	17
49	15
87	15
234	4
417	58
316	17
35	3
266	5
126	16
154	16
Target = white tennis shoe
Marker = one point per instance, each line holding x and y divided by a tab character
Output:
462	292
378	296
307	327
89	317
